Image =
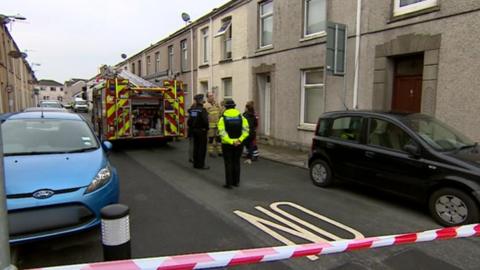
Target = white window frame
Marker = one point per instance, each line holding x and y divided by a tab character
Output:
304	86
261	17
205	47
184	55
305	22
223	86
398	11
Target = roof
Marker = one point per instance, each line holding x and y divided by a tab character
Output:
46	115
74	81
49	83
213	13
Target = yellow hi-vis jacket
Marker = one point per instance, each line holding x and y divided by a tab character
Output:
223	132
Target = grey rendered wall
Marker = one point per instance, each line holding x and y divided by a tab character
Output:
290	54
455	79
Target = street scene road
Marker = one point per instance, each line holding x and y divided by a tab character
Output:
178	210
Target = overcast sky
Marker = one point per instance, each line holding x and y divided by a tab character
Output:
72	38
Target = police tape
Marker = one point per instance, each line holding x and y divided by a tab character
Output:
260	255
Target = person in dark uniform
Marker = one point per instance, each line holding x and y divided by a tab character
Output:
198	125
233	129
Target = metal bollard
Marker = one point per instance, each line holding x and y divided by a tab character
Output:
115	232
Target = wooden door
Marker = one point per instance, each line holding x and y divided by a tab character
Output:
407	94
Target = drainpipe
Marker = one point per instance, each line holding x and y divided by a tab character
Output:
211	54
191	64
357	55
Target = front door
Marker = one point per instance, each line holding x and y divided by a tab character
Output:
407	94
264	95
407	87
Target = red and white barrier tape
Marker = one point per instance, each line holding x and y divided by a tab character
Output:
259	255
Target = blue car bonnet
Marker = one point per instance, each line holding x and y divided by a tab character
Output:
26	174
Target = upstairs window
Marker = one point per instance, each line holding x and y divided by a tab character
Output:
205	47
170	58
149	63
266	23
314	17
225	33
184	55
157	62
139	67
402	7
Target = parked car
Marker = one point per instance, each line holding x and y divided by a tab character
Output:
50	104
412	155
80	106
44	109
57	174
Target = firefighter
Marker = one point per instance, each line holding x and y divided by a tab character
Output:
214	110
233	129
198	125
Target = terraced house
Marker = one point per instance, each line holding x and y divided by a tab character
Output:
16	76
408	55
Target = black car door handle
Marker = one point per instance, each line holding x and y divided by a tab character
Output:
369	154
330	145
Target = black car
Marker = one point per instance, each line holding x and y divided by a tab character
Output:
412	155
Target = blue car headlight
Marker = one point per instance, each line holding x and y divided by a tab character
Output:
103	176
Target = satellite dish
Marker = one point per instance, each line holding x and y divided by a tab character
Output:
124	56
185	17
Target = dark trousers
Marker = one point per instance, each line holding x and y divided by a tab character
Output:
199	148
249	145
231	157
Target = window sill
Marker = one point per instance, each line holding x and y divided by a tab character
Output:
313	36
263	49
306	127
401	17
204	66
224	61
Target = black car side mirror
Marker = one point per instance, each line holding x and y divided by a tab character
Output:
412	149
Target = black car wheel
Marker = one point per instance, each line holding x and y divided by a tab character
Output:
320	173
453	207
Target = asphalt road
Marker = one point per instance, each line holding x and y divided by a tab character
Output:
176	210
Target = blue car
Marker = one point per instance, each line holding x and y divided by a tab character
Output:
57	174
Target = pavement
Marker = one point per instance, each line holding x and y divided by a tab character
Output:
284	155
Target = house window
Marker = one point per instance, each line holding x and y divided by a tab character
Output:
157	62
149	63
227	88
42	88
314	17
139	67
61	88
133	68
312	96
170	58
402	7
225	33
205	45
53	89
184	55
266	23
204	87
